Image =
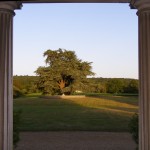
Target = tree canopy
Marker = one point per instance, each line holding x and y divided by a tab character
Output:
64	72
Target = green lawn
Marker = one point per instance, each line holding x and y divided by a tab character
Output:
103	113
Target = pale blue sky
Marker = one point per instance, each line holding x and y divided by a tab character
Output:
105	34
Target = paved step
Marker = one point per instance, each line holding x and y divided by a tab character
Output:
75	141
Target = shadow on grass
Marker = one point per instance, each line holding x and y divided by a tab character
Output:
41	114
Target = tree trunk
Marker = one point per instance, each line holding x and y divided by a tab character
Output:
61	84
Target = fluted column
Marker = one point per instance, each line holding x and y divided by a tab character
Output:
144	73
143	13
6	77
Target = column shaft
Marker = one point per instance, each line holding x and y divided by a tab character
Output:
144	78
6	84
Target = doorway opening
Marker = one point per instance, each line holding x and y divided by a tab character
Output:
87	30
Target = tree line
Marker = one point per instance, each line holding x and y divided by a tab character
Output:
113	85
28	84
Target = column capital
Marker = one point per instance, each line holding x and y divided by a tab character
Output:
140	4
10	5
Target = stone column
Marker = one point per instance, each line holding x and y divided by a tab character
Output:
6	77
143	13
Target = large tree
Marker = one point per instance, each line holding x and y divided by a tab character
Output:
64	72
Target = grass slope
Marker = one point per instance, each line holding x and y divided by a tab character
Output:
103	113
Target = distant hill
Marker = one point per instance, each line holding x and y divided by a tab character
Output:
27	84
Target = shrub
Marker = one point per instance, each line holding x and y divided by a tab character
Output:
134	127
16	124
17	92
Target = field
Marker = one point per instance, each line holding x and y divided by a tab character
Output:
100	113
